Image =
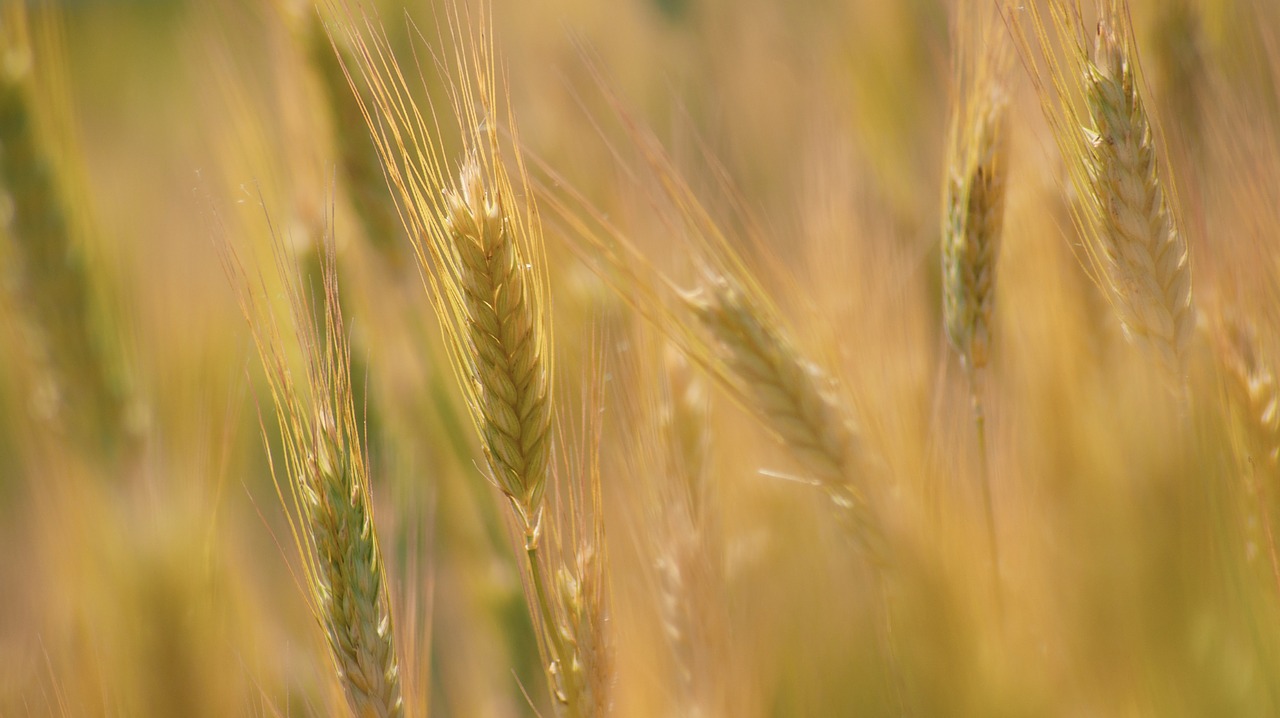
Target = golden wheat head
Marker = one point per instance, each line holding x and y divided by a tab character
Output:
1135	245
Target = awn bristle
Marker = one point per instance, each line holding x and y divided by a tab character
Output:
794	398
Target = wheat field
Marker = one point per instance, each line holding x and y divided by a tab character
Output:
703	358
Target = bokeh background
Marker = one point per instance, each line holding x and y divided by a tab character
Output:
146	567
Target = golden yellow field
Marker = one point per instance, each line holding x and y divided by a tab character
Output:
697	358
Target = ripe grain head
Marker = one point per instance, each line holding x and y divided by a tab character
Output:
1133	241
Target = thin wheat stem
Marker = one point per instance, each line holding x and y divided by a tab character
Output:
980	427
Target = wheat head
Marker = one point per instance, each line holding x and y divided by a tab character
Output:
1143	251
324	485
973	221
502	331
794	398
1134	244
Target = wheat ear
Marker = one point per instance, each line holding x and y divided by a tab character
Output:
509	388
327	479
1252	377
480	250
972	225
794	398
1254	380
503	332
1143	251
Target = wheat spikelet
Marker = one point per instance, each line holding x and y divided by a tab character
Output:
1133	241
793	396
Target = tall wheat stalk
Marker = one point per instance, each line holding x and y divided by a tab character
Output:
326	480
480	250
973	221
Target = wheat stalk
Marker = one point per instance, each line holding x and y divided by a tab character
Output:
972	225
1133	241
481	256
327	480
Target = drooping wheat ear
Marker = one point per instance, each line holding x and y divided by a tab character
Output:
793	397
327	478
503	334
1133	241
52	279
1143	251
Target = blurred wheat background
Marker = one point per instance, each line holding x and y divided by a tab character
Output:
642	357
